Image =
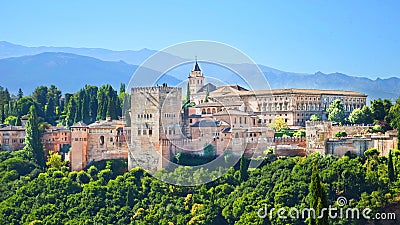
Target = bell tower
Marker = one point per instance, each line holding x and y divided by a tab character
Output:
196	79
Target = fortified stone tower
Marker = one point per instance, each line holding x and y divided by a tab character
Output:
317	133
79	146
155	120
196	79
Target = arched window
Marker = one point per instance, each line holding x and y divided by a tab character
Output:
101	140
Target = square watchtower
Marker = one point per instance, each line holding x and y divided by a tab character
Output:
155	118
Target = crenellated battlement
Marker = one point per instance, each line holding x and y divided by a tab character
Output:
153	89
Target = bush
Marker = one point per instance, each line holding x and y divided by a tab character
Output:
187	159
371	152
83	177
300	133
284	133
340	134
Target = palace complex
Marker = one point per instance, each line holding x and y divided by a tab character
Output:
163	123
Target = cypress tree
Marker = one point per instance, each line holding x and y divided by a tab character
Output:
391	173
71	111
186	100
318	198
85	107
33	143
207	94
20	93
243	173
79	100
50	111
3	115
122	88
102	102
130	197
93	104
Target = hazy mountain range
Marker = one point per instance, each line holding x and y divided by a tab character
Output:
71	68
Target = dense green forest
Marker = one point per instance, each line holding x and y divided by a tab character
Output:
104	194
39	190
89	104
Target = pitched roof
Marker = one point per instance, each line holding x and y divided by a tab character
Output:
228	90
302	91
80	124
232	112
219	104
196	67
10	128
211	87
209	123
107	124
54	129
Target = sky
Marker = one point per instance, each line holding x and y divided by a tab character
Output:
359	38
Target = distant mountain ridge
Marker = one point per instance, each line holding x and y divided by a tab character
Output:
71	68
8	50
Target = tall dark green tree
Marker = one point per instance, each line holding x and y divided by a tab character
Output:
207	94
378	109
186	99
71	111
50	111
391	172
20	93
318	197
23	105
93	103
111	112
39	95
387	104
102	103
33	143
4	99
79	100
122	88
108	103
85	108
394	118
243	173
130	197
336	111
368	118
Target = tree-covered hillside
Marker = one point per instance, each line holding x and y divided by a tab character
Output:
104	195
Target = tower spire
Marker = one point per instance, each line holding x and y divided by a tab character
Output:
196	66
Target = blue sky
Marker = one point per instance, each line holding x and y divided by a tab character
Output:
360	38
